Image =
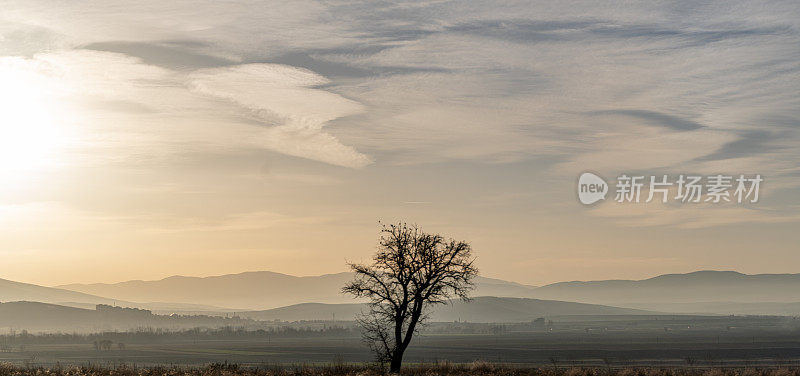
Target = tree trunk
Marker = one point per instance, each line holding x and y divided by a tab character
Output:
397	361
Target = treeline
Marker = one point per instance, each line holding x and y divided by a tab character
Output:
297	329
151	335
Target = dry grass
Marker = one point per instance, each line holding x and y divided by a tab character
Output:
478	368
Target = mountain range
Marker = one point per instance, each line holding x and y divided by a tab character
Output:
259	290
479	309
45	317
36	316
696	287
17	291
265	290
11	291
717	292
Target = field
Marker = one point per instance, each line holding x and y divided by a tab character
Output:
443	369
606	342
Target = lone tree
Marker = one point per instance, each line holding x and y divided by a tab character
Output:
411	272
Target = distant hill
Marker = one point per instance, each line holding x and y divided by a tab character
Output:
308	311
35	316
696	287
727	308
250	290
16	291
11	291
698	292
163	308
258	290
480	309
45	317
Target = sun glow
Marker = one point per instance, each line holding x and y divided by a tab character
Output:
31	132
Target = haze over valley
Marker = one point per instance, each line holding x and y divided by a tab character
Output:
268	296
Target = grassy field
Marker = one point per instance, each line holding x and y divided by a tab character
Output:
521	349
443	369
616	343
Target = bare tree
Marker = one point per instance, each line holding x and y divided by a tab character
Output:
411	271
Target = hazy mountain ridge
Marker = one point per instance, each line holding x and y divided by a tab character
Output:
260	290
12	291
17	291
695	287
248	290
46	317
720	292
479	309
37	316
727	308
263	290
161	308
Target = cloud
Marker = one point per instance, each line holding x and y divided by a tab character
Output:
488	106
689	216
748	144
168	54
275	107
286	96
656	118
676	88
538	31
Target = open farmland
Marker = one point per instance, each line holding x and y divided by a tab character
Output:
623	341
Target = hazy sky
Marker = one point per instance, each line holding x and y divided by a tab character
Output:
145	139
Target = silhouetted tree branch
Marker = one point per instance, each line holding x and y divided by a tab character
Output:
411	271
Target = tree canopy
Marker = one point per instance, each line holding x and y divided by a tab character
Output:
411	271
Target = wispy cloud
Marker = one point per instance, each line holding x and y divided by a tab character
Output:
430	96
656	118
286	96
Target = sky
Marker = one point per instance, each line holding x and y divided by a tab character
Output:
148	139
